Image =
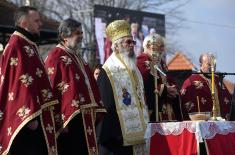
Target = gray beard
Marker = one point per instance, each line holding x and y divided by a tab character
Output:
129	60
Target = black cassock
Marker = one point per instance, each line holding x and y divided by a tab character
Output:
109	134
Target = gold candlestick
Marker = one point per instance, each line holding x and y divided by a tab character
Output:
214	108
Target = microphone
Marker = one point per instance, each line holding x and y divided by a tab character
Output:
158	69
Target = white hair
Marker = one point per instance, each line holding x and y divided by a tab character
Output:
130	61
115	43
150	38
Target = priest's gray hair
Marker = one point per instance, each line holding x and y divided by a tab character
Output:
115	43
67	27
206	54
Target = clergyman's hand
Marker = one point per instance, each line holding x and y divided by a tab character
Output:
33	125
65	130
172	91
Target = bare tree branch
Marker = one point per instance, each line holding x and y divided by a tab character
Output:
82	10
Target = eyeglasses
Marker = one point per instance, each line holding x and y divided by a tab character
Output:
130	42
79	32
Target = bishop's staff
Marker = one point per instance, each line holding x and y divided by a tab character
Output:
154	73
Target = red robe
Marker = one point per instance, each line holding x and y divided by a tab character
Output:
196	89
25	92
74	85
107	48
169	108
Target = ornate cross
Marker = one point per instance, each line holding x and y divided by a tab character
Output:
75	103
77	76
50	70
89	131
14	62
10	96
53	149
226	101
9	131
23	112
49	128
93	150
203	100
39	72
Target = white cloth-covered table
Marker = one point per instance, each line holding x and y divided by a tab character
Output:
205	130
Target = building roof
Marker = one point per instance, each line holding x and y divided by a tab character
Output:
230	86
180	62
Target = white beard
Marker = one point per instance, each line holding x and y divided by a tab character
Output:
130	61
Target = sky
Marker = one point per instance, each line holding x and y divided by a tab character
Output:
209	26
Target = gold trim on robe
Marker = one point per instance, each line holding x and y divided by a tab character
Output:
133	118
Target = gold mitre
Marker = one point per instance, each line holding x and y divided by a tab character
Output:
118	29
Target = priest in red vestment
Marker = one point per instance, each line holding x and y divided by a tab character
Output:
26	99
79	101
196	92
159	88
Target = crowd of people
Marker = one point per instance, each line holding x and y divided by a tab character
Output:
60	106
